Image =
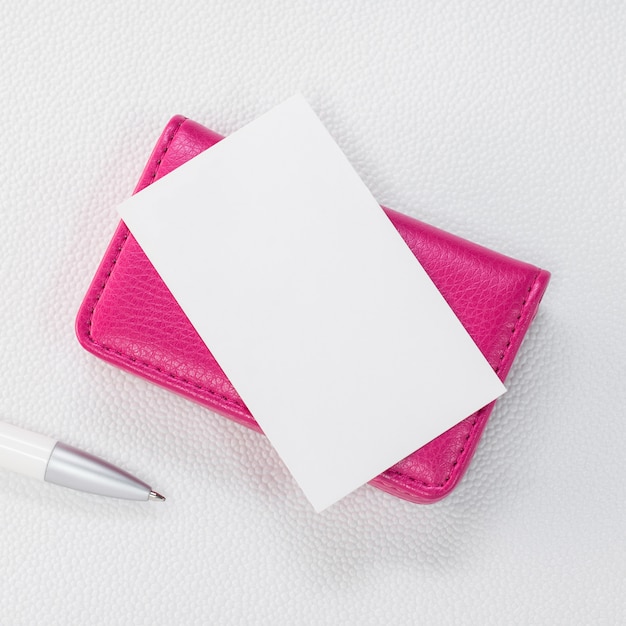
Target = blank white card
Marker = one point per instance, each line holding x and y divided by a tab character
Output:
336	339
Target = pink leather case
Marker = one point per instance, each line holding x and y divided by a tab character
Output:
130	319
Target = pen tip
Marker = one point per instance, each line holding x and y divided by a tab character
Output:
153	495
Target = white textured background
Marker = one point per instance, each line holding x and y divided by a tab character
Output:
502	122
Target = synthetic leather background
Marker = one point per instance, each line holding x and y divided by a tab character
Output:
501	122
130	319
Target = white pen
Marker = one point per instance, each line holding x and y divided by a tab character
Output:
47	459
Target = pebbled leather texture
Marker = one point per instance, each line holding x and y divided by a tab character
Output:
503	123
130	319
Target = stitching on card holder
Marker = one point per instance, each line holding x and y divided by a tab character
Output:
476	416
165	149
139	362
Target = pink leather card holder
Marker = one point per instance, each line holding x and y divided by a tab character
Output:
130	319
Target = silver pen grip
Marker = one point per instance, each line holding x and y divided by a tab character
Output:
70	467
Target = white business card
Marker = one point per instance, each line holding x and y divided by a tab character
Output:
332	333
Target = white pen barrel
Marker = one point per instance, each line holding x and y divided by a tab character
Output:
23	451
